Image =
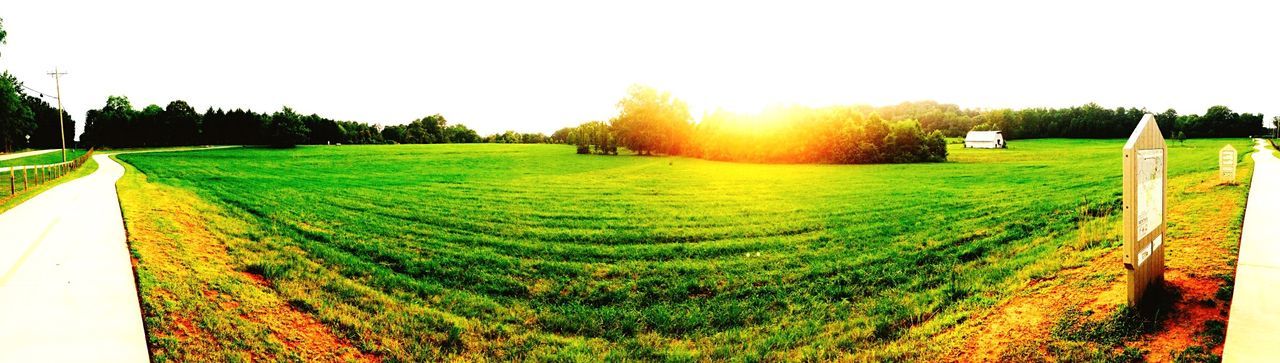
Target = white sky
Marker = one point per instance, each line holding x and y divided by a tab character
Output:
538	66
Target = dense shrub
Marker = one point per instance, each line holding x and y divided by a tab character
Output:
593	135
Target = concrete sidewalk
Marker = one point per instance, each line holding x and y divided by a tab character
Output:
1253	332
67	292
26	154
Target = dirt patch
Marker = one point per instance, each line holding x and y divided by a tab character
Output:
256	278
302	332
1190	312
1193	267
1020	327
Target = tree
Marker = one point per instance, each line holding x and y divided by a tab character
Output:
110	125
148	128
45	135
1167	122
287	129
3	34
426	130
460	134
561	136
247	127
323	130
214	128
1180	136
595	134
16	120
650	121
433	129
182	123
394	134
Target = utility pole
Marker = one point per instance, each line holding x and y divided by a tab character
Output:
61	133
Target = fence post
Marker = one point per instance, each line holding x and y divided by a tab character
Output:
24	180
13	186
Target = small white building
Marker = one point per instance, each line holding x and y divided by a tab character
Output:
985	140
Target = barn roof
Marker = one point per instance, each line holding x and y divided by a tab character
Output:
980	136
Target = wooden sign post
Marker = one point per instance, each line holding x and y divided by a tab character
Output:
1227	164
1144	207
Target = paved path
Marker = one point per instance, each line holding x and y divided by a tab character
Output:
67	292
26	154
1253	332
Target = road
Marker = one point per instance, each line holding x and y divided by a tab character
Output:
67	291
1252	334
26	154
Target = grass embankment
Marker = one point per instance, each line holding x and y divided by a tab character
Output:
528	251
7	202
53	157
197	305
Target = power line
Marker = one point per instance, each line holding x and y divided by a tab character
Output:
42	94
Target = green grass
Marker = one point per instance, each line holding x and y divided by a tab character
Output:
42	159
426	252
8	201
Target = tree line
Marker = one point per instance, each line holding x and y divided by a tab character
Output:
654	122
650	121
836	134
118	124
1085	121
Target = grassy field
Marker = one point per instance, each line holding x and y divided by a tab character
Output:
418	253
46	158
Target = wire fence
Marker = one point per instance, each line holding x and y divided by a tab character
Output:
26	177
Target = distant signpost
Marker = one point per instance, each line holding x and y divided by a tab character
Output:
1144	207
1227	164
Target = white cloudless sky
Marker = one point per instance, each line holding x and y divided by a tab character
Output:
538	66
